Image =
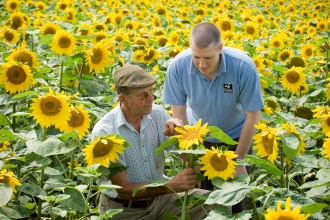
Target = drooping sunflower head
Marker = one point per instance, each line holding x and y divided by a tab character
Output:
190	136
296	62
8	177
266	142
303	112
98	57
174	51
217	163
79	121
51	109
25	56
286	214
63	43
4	146
15	76
49	28
104	150
293	78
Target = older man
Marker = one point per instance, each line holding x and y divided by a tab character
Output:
143	124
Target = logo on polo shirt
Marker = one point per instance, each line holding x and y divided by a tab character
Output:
228	88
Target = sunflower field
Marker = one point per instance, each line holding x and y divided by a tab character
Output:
57	60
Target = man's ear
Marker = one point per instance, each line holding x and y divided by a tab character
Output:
122	99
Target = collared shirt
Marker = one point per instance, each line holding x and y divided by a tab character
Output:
222	101
143	164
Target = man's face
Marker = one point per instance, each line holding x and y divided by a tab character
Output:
140	101
206	59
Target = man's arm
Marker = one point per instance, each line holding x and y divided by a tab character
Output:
179	111
184	180
245	139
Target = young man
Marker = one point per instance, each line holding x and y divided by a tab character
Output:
221	86
143	124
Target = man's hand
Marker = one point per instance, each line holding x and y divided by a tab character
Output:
184	180
170	125
240	170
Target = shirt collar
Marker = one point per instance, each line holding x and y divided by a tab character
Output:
121	120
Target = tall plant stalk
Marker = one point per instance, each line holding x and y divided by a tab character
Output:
42	176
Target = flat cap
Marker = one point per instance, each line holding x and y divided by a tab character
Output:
133	76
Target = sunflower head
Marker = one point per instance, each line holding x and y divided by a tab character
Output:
4	146
104	150
303	112
7	177
63	43
190	136
218	163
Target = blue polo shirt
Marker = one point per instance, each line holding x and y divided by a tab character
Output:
220	102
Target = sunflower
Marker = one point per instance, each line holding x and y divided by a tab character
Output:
98	57
266	142
9	178
217	163
259	62
327	91
50	28
296	62
174	38
51	109
85	29
63	43
303	112
161	41
174	51
307	51
119	36
184	13
191	135
276	42
226	24
293	78
4	146
325	123
41	6
100	35
9	35
62	4
267	110
291	129
104	150
151	54
25	56
69	15
251	29
322	25
260	19
284	55
303	89
12	5
227	35
17	77
17	20
320	110
287	213
79	121
326	150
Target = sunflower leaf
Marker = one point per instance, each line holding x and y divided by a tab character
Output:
155	183
291	143
217	133
313	208
269	167
6	191
165	144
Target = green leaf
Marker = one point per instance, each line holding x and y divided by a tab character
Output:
292	119
313	208
7	135
31	189
104	187
4	121
269	167
76	201
52	146
108	214
316	183
24	94
219	213
291	143
5	191
16	114
155	183
95	84
6	99
306	160
170	216
280	69
34	162
190	151
165	144
230	194
217	133
15	212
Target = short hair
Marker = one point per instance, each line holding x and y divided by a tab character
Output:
205	33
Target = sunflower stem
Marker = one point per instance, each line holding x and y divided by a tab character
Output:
184	204
61	75
42	173
81	72
327	54
282	167
302	179
71	165
87	198
13	120
255	213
